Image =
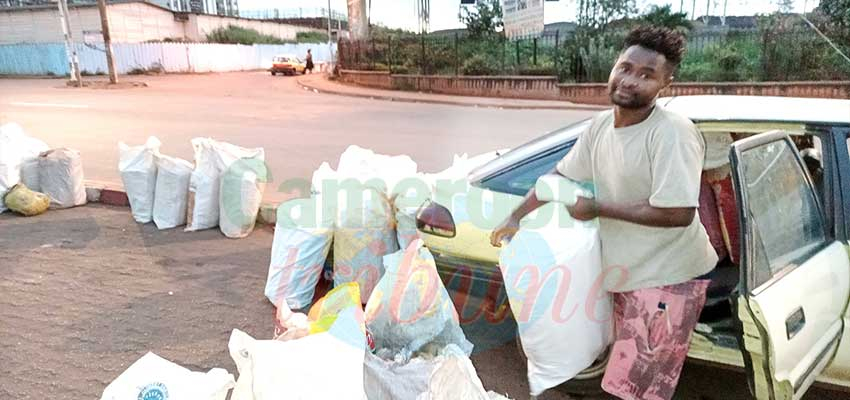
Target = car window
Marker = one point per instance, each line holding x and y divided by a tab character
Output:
521	178
783	211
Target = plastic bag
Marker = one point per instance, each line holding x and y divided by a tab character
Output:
327	364
302	240
202	204
410	307
243	177
26	202
379	171
548	272
172	192
61	176
137	166
406	230
18	159
153	377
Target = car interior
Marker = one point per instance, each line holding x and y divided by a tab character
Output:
719	215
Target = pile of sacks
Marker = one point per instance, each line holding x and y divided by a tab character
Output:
34	177
223	188
331	342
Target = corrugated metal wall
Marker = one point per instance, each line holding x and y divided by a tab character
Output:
49	58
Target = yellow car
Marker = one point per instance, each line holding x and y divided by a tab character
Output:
287	64
778	303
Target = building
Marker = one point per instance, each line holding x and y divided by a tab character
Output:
130	21
213	7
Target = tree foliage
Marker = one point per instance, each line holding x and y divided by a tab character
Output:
836	11
664	16
595	15
483	20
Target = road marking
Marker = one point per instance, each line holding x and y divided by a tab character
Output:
59	105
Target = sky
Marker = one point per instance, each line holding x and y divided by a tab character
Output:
401	14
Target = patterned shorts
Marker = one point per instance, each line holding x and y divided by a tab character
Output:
652	334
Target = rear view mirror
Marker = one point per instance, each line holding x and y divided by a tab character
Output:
434	219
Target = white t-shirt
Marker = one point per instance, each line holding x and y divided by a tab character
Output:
659	159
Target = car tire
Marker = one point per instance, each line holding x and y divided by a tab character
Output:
586	383
274	73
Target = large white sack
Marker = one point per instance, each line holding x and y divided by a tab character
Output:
153	377
302	240
321	366
61	177
380	171
552	278
446	375
364	232
18	159
172	192
137	166
203	204
410	308
243	179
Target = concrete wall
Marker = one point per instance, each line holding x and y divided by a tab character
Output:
547	88
128	22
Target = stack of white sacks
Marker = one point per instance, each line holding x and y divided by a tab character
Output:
58	173
224	187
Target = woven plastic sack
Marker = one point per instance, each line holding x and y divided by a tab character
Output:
137	166
18	159
410	308
241	193
202	204
61	176
172	192
153	377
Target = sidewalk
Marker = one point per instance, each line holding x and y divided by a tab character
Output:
320	83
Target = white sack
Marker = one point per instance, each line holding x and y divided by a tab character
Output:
153	377
380	171
448	375
322	366
18	159
202	205
137	166
61	176
302	240
410	308
172	192
243	179
558	345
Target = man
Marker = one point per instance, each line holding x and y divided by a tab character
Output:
645	163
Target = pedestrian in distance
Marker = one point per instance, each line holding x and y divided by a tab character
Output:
645	163
309	66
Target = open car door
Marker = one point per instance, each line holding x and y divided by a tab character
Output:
795	277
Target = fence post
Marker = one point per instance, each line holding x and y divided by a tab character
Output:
457	56
517	53
534	57
422	69
390	54
557	51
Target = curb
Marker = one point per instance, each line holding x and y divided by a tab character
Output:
315	89
114	195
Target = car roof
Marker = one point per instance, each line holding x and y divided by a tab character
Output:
760	108
704	108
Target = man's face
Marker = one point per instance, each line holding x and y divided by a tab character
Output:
638	75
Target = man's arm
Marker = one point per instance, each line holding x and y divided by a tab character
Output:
511	225
641	213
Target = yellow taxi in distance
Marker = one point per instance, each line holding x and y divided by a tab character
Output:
287	65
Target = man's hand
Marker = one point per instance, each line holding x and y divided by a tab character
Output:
505	231
584	210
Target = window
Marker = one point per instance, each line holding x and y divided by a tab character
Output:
786	224
521	178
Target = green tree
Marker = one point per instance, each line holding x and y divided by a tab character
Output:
595	15
484	19
664	16
837	11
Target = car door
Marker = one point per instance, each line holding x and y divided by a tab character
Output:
795	276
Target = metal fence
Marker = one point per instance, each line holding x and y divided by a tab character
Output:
750	55
289	13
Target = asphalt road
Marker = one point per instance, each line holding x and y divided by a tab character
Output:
299	129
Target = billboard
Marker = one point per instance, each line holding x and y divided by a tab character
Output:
522	18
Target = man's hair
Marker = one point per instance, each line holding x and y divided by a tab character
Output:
668	42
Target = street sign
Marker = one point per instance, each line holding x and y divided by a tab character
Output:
523	18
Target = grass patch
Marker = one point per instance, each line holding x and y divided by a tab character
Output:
237	35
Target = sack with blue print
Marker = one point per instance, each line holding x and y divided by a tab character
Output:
153	377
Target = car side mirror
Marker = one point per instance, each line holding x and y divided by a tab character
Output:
434	219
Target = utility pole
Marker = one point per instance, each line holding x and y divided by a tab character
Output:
107	41
70	51
330	40
694	11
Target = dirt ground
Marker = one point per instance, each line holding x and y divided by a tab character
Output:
85	292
